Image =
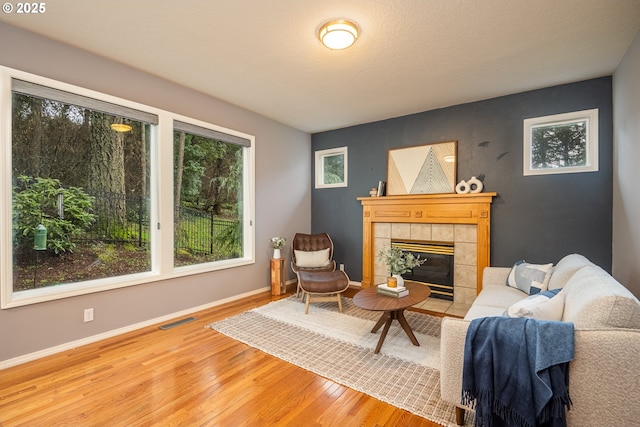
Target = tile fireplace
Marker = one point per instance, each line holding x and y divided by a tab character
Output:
437	266
458	220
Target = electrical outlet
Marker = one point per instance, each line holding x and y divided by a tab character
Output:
88	314
341	267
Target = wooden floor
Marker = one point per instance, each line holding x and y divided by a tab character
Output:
186	376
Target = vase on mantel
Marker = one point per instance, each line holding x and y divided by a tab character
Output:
276	253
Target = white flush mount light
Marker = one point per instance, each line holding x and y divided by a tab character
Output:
338	34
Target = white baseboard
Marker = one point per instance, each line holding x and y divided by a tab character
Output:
94	338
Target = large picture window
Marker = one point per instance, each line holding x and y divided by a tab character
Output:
82	176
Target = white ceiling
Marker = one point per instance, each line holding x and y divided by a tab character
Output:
412	55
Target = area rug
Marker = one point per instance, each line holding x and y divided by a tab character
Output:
341	347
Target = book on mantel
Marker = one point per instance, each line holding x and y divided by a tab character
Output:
397	292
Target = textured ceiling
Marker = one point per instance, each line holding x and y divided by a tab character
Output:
412	55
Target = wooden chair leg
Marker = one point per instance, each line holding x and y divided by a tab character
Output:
306	306
340	302
459	416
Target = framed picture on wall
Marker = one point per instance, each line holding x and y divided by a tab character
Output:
422	169
561	143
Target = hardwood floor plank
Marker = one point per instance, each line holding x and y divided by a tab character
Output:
184	376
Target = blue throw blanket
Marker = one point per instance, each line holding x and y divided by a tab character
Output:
516	371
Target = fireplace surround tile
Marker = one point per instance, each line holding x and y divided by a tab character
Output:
465	276
421	232
400	231
466	233
464	295
465	253
382	229
442	232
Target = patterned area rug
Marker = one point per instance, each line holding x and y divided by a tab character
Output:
340	347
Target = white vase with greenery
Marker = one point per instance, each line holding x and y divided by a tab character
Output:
277	243
399	261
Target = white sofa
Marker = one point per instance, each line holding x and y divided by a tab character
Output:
604	377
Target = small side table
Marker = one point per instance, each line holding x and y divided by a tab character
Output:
278	273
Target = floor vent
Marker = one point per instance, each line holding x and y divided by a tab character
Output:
177	323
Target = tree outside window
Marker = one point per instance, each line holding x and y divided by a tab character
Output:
563	143
208	195
86	183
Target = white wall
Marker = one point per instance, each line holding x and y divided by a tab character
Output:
283	201
626	170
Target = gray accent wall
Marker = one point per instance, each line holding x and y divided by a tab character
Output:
283	201
626	173
536	218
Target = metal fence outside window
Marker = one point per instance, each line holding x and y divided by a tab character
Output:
199	231
123	218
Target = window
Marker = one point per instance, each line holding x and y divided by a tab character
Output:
208	188
80	206
331	168
562	143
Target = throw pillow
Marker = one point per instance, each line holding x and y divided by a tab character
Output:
310	259
547	305
530	278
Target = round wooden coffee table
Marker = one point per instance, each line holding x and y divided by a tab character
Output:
393	308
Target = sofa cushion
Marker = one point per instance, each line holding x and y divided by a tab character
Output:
493	301
566	268
479	311
594	299
546	305
530	278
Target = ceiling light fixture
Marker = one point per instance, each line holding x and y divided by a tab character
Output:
120	127
338	34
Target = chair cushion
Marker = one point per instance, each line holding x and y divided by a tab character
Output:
323	281
310	259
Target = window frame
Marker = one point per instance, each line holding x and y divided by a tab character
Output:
320	157
160	191
247	198
591	144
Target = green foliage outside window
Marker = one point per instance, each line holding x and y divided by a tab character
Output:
63	212
334	169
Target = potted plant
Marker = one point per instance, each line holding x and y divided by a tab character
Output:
277	243
399	261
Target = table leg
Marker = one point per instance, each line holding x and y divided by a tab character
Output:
399	314
381	321
384	334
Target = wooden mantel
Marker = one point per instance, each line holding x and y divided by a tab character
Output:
427	209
